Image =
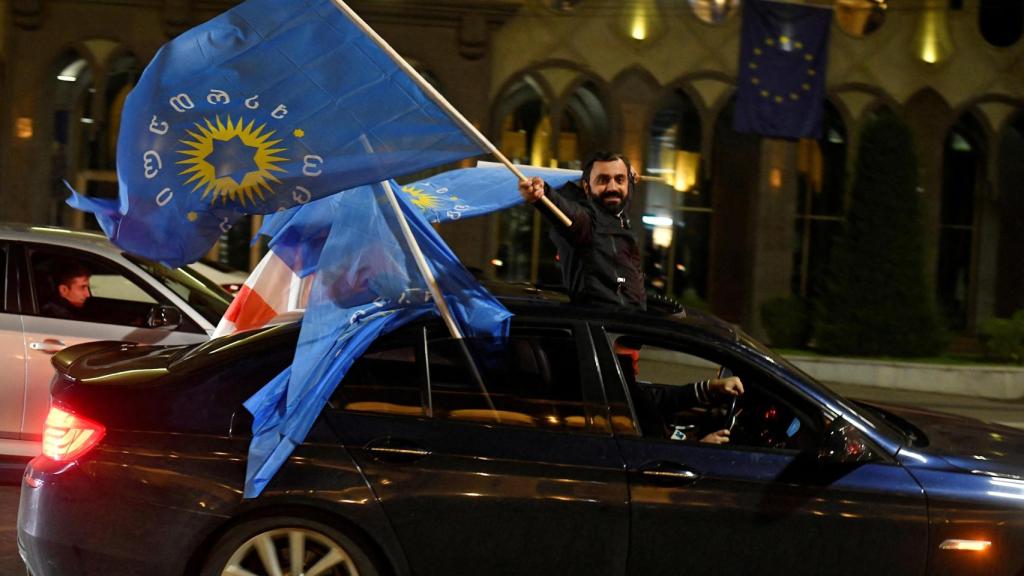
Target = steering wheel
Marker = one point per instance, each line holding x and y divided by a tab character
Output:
732	408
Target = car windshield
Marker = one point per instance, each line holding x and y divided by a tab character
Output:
203	295
876	419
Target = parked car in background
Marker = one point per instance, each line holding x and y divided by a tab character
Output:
226	277
133	300
554	465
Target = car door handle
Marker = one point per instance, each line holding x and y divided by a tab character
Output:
49	346
668	472
397	450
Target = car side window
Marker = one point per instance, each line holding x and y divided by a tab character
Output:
4	282
531	379
386	379
668	385
94	290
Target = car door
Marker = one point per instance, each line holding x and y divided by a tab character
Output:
12	362
763	503
522	479
117	310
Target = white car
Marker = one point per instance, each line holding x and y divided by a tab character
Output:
225	276
133	299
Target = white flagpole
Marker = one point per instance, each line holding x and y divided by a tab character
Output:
445	105
421	263
435	291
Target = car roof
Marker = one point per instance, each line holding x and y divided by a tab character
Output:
521	299
58	236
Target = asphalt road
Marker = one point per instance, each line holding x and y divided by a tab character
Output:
10	563
1011	413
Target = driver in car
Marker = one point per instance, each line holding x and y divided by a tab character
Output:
657	403
72	292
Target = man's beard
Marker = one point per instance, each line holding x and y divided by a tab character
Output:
610	195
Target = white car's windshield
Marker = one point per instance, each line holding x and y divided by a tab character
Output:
203	295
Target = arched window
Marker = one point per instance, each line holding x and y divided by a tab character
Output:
677	210
1001	21
584	126
121	76
525	139
73	87
963	167
528	136
821	182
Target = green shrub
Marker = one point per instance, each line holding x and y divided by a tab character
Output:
691	299
1004	338
786	321
877	299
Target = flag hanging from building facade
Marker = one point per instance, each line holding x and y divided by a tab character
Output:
272	104
781	79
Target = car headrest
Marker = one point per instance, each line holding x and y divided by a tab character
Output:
531	362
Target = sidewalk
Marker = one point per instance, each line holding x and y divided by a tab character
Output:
994	382
1007	412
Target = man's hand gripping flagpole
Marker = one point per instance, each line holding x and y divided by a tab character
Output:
446	106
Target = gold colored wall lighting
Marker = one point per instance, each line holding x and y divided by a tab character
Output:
641	19
687	164
775	178
23	128
932	40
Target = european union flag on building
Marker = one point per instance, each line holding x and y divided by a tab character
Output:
271	104
366	284
781	80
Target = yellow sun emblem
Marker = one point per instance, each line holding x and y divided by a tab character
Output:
421	199
231	161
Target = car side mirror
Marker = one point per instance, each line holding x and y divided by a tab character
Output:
161	316
844	443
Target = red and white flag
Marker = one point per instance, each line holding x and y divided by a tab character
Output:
272	289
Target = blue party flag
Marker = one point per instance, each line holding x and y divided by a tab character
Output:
468	192
366	284
781	80
273	103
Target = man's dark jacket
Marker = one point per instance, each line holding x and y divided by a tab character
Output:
599	255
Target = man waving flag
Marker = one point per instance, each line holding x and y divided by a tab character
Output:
267	106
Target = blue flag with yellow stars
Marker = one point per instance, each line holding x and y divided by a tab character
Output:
781	80
272	104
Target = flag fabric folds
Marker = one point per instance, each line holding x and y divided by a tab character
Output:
297	236
468	192
781	79
271	290
272	104
365	284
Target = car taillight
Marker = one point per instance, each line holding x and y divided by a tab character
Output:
68	436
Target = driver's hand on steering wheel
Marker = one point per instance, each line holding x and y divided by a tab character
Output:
718	437
724	387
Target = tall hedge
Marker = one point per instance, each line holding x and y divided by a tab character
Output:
877	299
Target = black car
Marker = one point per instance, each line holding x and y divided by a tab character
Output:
557	464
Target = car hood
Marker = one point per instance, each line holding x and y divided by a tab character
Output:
967	443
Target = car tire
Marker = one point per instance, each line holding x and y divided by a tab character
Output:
258	546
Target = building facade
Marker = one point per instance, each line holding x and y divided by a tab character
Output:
725	219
